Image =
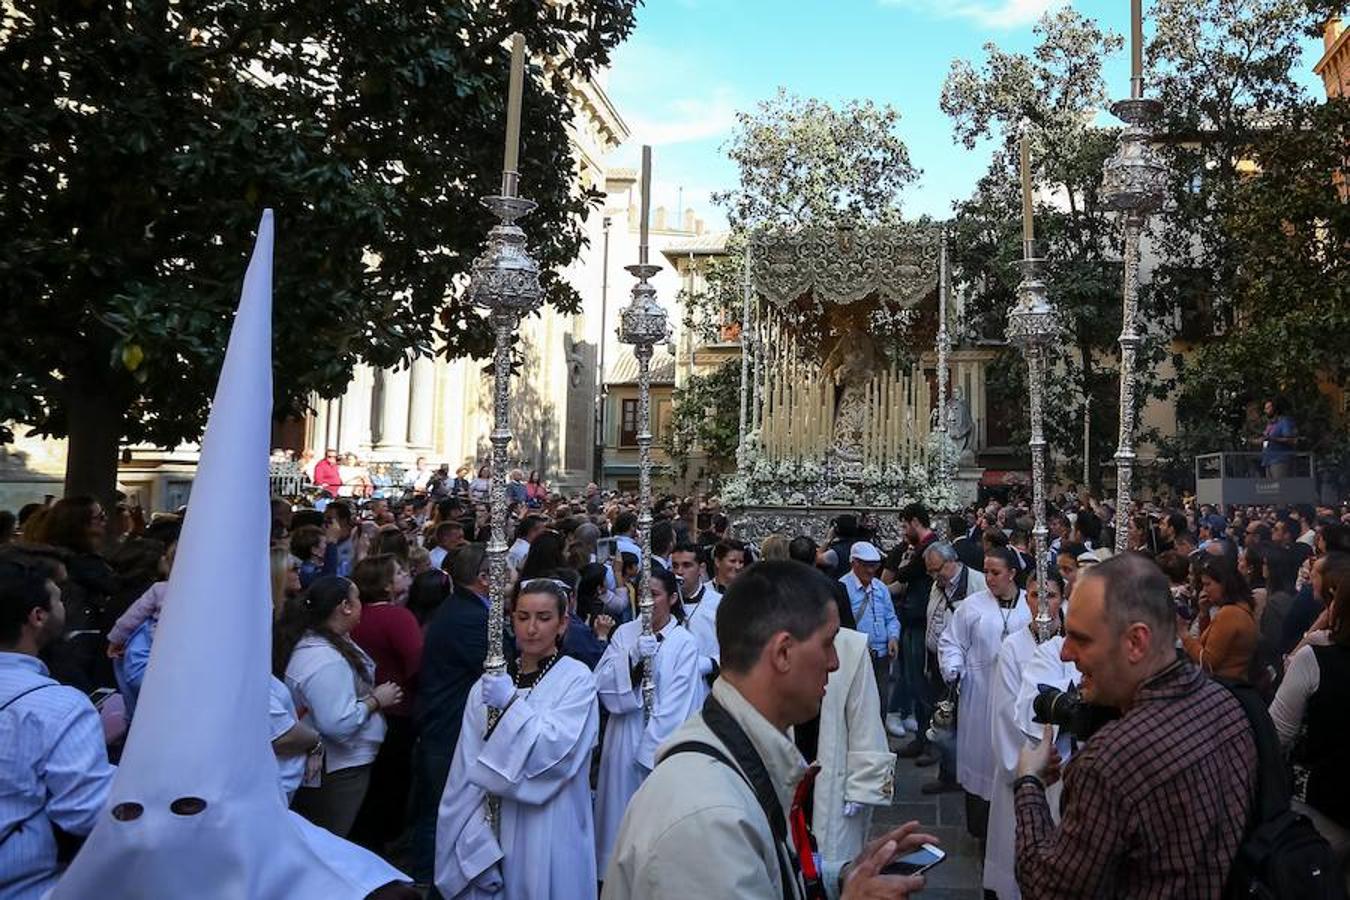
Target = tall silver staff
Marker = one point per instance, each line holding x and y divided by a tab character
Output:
1031	327
944	340
642	323
505	282
1133	181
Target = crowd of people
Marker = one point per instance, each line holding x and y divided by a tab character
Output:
674	763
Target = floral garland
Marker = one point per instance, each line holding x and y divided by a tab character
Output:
762	481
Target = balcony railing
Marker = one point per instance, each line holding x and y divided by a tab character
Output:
1239	478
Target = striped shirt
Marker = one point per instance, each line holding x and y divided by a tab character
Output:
1154	805
54	770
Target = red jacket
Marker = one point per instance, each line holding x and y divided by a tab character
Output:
326	475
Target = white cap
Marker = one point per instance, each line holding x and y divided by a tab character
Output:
865	551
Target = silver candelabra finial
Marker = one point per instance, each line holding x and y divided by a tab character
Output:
1133	183
643	324
504	281
1032	327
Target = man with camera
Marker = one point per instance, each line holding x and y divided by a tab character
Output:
1156	802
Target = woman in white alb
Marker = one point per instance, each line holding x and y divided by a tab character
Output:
535	760
631	737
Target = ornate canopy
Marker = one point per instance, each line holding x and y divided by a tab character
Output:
894	264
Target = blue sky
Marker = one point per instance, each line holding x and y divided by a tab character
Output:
691	64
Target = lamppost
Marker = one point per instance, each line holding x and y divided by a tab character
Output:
1032	326
642	323
1133	181
505	282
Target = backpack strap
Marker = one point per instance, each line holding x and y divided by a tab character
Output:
751	770
1272	787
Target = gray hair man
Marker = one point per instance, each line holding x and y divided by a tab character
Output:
725	787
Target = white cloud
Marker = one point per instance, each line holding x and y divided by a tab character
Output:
685	119
998	14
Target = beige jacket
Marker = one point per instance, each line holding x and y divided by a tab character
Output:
695	829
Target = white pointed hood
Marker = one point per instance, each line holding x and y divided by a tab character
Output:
195	809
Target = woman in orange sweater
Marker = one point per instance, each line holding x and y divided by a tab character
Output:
1228	630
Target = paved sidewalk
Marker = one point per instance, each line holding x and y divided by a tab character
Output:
943	815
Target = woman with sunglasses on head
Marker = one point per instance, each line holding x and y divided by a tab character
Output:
631	736
535	759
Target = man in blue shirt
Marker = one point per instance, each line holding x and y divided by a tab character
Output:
873	611
54	770
1278	441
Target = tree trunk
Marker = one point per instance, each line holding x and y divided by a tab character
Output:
94	417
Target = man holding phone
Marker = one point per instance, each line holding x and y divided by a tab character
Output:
721	814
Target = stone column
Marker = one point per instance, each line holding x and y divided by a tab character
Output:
393	414
318	425
422	404
353	432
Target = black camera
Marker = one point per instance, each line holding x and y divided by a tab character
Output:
1070	711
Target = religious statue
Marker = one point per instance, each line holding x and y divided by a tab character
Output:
850	364
576	362
961	427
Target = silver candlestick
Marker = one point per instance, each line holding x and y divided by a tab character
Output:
643	324
505	282
1133	182
1032	326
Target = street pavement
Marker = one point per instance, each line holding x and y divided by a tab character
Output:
943	815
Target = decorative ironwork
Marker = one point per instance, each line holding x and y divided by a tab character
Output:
1133	182
643	324
755	523
1032	327
895	264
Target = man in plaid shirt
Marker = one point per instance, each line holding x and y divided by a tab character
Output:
1156	803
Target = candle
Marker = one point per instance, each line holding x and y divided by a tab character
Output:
1136	48
646	202
513	98
1028	230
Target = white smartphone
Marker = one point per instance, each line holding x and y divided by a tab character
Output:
915	863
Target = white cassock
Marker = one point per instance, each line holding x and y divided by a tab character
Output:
968	650
538	762
629	751
1022	665
856	763
702	624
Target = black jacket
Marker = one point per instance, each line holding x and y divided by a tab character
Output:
453	652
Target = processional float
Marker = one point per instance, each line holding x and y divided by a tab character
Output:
838	413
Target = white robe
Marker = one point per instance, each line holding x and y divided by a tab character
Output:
1022	665
856	763
538	762
968	650
629	751
702	624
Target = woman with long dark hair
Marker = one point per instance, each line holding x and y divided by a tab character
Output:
429	590
1227	622
535	759
546	555
75	527
333	681
390	634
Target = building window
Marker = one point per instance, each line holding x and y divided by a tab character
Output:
628	423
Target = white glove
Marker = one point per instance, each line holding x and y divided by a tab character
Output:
705	665
851	809
498	690
646	646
